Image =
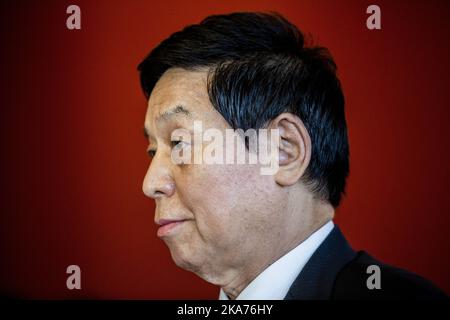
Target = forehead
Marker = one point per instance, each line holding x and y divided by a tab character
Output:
179	87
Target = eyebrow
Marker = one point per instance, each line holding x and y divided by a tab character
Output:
166	115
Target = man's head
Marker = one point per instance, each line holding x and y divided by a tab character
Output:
243	71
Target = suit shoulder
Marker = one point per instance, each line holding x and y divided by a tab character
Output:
367	278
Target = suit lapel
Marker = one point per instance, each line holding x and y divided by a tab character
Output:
316	280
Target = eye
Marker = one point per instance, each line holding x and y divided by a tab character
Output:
151	152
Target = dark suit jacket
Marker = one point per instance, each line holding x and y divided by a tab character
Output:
336	271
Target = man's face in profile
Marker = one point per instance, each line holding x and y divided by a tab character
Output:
223	211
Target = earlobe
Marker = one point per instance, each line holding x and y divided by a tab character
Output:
294	148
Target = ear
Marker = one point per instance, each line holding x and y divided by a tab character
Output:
294	148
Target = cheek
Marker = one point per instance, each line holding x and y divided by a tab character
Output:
207	192
226	201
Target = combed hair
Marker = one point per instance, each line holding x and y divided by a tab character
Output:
259	67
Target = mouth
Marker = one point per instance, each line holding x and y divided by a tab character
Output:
168	226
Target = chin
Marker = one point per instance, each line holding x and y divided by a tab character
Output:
189	262
183	259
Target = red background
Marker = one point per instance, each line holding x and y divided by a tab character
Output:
73	154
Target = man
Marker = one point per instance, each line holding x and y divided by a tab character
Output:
257	236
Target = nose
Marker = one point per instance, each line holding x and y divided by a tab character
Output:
158	181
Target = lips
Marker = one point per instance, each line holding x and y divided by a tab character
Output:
168	226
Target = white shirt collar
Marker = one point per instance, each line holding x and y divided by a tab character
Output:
274	282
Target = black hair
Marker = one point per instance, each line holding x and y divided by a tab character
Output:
259	68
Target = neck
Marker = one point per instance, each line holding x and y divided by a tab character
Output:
297	229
